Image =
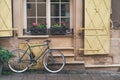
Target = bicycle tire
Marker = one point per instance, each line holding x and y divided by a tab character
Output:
53	61
18	66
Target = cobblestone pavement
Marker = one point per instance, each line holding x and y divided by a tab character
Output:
64	75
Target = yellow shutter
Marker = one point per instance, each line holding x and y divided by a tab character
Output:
5	18
97	27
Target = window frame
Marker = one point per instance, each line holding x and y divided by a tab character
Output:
48	16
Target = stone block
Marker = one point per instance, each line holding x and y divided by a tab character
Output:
115	33
95	60
115	50
115	43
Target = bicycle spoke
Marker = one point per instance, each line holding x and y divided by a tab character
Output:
54	61
17	65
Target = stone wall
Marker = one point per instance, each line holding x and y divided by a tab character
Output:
115	45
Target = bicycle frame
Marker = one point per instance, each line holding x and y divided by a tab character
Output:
49	57
40	54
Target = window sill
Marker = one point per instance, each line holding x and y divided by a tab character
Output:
45	36
34	36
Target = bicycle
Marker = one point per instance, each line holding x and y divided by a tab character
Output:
52	59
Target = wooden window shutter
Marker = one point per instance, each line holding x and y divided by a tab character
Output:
97	27
6	18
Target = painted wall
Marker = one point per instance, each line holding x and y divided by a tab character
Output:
67	44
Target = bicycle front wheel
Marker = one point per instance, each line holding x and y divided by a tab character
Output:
19	65
53	61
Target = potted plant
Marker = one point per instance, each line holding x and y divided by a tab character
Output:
38	29
58	29
5	56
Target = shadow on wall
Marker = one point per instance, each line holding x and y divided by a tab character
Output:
115	16
9	43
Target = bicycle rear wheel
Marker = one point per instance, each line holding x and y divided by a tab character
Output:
53	61
19	65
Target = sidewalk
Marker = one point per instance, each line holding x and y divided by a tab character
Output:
64	75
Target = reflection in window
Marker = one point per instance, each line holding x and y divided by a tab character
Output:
30	0
55	0
41	0
65	10
55	10
60	12
41	10
36	13
31	9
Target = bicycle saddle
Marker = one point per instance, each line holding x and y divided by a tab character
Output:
47	41
27	40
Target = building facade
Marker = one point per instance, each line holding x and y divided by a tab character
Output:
90	33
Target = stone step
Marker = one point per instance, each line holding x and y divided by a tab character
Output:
106	67
68	57
71	64
75	62
74	65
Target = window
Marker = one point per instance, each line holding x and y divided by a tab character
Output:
49	13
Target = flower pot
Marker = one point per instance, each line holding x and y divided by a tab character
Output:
38	31
57	30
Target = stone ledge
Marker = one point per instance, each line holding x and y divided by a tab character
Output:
75	62
102	66
115	39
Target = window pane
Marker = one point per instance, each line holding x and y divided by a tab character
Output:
65	10
54	20
30	21
65	22
41	9
54	9
65	0
41	20
31	9
41	0
30	0
54	0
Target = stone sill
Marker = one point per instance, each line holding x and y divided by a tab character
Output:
31	36
45	36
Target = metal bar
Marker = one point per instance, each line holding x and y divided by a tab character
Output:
97	35
8	29
82	49
90	29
